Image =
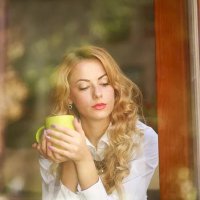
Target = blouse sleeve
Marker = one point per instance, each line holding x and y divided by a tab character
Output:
142	167
52	187
135	185
97	192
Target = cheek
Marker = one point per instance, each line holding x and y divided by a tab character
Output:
111	95
79	99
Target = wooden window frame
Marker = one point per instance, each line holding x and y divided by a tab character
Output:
194	27
174	102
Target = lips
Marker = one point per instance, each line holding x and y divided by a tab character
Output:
99	106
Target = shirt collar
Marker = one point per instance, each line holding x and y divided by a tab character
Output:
104	139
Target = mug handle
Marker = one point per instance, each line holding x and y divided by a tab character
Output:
39	133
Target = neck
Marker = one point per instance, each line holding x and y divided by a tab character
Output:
94	129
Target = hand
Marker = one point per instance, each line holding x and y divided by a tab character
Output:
69	143
42	148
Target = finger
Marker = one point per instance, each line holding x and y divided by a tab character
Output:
54	156
49	151
39	150
78	126
64	130
59	158
51	155
34	145
44	143
60	143
59	135
61	152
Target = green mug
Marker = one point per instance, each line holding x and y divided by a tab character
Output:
62	120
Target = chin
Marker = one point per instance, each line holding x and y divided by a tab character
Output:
101	115
96	114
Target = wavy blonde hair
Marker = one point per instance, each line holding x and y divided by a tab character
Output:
124	137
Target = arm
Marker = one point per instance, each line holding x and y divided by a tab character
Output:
52	187
143	166
69	176
74	147
135	185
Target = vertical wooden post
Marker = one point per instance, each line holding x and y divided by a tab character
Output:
173	94
194	22
2	70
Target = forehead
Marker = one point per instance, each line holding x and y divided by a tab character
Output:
87	69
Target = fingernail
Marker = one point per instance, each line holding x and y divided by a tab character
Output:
47	136
48	131
50	147
53	126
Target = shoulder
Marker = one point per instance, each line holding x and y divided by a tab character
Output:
150	153
145	159
150	142
150	136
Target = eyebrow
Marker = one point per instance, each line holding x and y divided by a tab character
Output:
89	80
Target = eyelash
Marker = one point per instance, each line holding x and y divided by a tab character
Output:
104	84
85	88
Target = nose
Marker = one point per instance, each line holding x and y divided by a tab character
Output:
97	92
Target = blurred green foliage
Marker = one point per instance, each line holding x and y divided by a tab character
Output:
41	31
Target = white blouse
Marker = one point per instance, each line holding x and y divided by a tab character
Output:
135	184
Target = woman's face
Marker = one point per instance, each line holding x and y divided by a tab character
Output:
90	90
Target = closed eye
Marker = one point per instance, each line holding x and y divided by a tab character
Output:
83	88
105	84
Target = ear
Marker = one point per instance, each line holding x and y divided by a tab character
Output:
69	101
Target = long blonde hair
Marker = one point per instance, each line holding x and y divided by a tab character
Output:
124	137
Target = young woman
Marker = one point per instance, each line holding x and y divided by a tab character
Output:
110	155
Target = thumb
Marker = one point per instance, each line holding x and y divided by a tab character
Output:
78	126
34	145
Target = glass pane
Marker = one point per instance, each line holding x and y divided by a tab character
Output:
39	33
